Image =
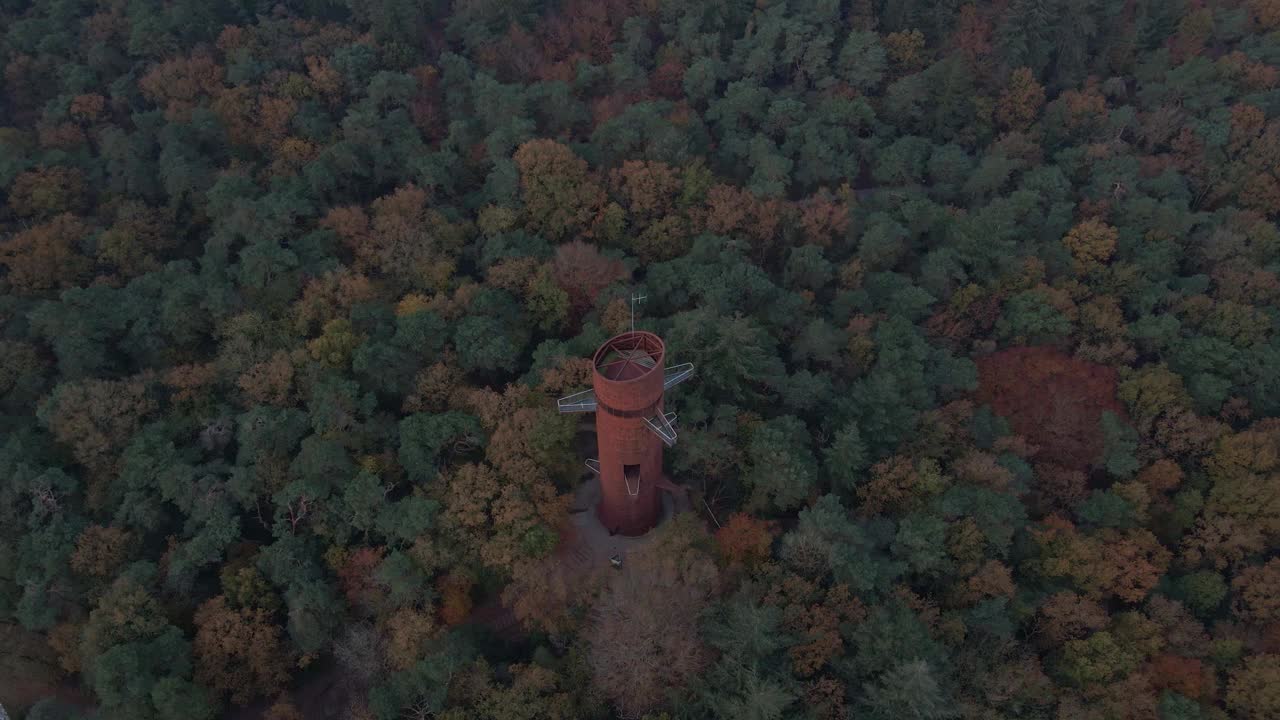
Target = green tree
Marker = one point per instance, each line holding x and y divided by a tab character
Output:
781	470
751	679
846	459
1202	591
1119	445
424	437
1030	318
909	690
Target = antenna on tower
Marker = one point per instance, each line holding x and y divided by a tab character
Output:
635	299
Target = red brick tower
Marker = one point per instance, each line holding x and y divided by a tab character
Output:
628	388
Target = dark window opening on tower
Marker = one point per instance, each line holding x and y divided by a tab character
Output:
631	474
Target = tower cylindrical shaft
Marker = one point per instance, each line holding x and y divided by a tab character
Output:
628	383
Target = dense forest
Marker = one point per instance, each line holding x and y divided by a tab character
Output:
983	299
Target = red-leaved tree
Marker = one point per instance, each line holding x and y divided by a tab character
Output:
1054	400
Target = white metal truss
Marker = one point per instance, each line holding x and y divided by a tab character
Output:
640	357
578	402
661	425
676	374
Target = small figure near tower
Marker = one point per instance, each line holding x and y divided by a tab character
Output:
629	383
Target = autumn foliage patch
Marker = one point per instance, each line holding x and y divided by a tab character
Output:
1054	400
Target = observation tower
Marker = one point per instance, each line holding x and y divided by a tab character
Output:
628	387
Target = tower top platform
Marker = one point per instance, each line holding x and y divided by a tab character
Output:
630	356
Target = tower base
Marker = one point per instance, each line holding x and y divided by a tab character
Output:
596	546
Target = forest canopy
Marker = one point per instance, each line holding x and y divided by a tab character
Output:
983	299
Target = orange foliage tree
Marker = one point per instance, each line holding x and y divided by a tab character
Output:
1257	591
814	615
732	210
502	518
1265	12
1021	101
455	597
355	569
972	35
1183	675
1091	243
239	651
1068	616
545	595
402	238
407	631
560	198
47	191
648	189
283	709
1245	470
1124	564
1253	690
100	550
745	540
824	217
582	272
899	485
137	241
178	84
96	418
331	296
268	382
46	257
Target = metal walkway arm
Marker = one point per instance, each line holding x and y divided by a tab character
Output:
584	401
661	426
676	374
